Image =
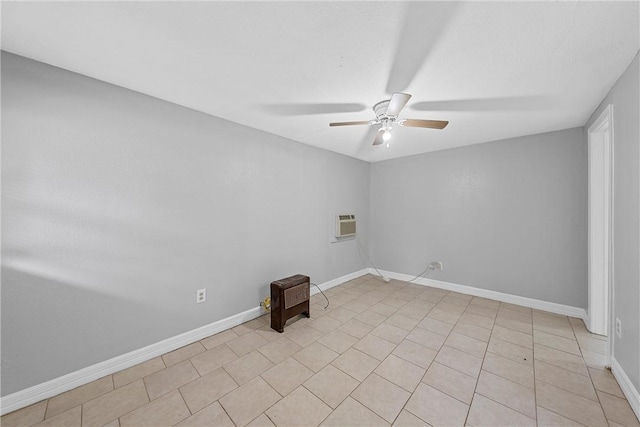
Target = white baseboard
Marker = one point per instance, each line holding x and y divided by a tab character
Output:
552	307
83	376
339	281
631	393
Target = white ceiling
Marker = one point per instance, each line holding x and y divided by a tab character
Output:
493	69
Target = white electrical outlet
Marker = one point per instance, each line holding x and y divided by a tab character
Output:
439	265
201	296
618	328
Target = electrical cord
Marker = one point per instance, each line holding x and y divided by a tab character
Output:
425	273
369	259
325	297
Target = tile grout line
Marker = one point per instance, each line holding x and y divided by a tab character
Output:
590	378
46	408
568	391
187	405
563	416
373	371
481	365
113	384
507	379
565	352
425	370
135	409
434	360
225	410
145	389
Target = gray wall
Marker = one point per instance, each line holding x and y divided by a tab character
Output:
508	216
117	206
626	215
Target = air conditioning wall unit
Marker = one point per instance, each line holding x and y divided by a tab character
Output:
345	225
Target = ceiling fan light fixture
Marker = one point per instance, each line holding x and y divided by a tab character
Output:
387	112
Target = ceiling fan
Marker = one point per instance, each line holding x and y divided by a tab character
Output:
387	116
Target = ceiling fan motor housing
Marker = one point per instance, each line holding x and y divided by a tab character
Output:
380	109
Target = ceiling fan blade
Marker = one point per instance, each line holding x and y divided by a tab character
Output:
424	25
378	140
396	103
478	105
369	135
310	109
361	122
418	123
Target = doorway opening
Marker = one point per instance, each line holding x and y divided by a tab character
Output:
600	224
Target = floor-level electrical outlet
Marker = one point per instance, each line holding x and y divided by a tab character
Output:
201	296
618	328
439	265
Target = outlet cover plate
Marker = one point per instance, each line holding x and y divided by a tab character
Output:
201	296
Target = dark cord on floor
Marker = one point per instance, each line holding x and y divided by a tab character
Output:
325	297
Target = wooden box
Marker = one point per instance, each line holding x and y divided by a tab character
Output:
289	297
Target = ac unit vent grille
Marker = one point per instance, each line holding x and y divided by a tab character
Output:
345	225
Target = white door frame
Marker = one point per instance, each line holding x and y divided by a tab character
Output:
600	225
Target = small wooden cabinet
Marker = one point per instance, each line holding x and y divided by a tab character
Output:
289	297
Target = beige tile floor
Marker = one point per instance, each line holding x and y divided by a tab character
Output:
382	354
